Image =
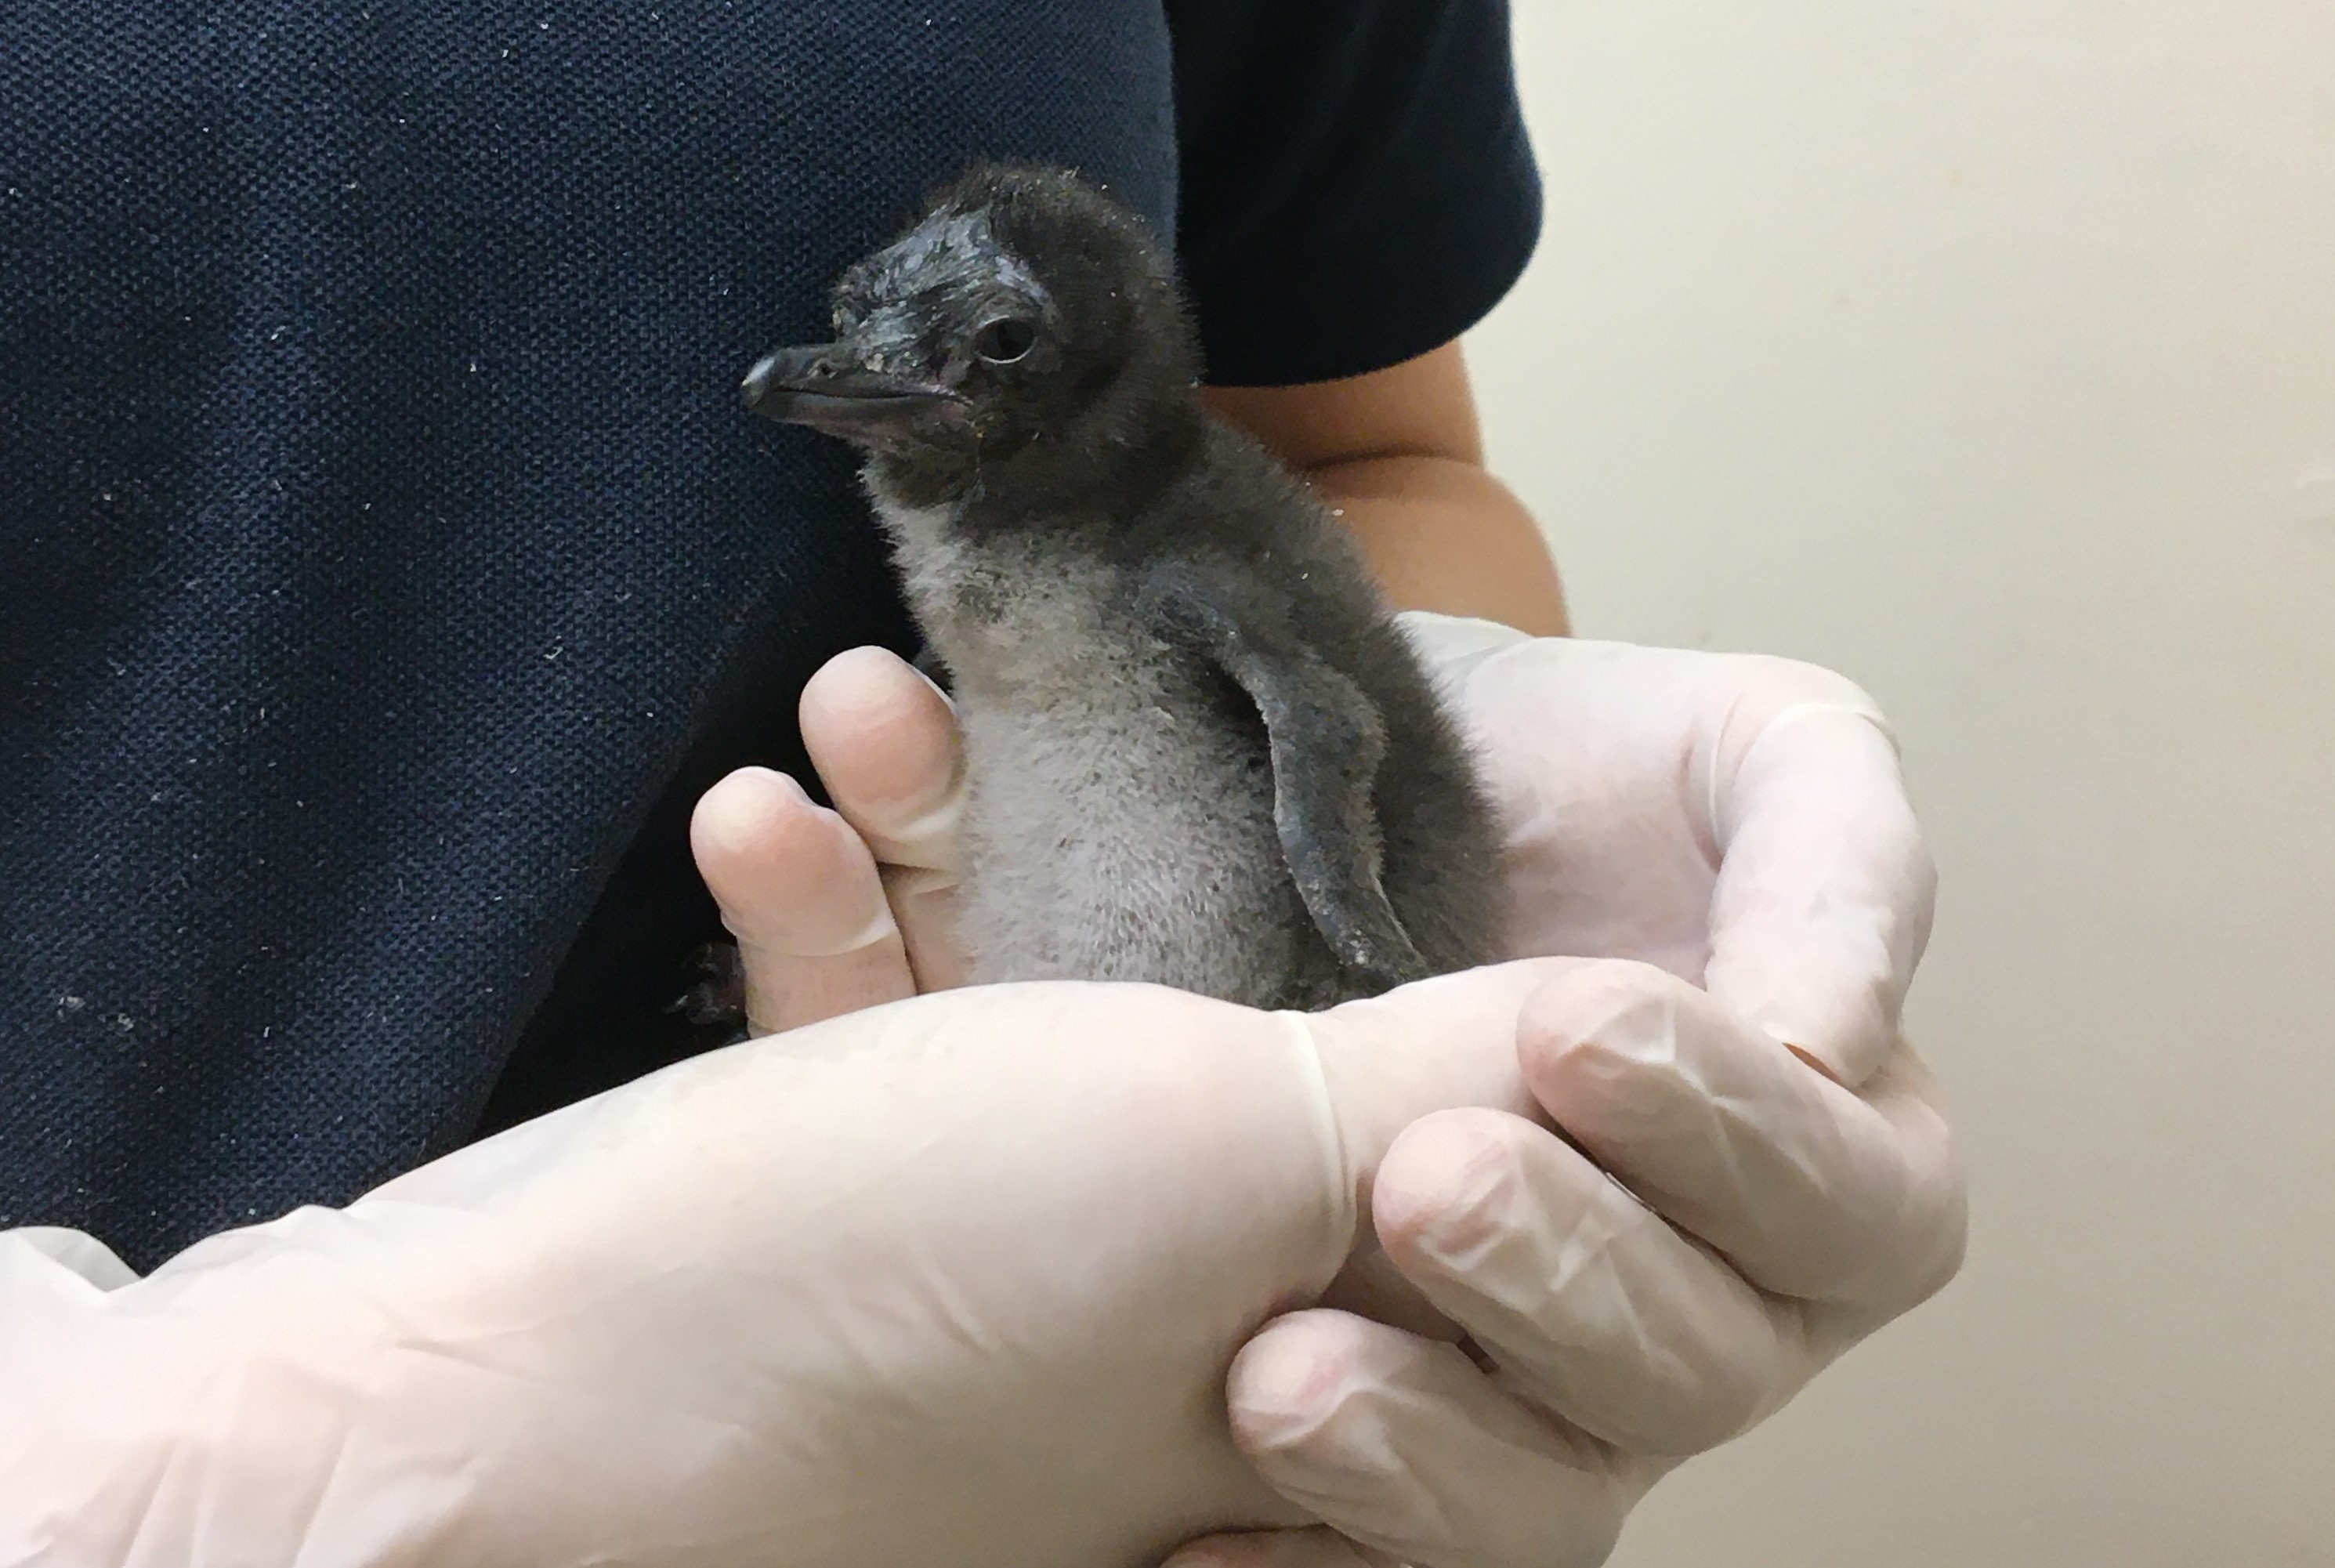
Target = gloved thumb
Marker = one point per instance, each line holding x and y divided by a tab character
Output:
1439	1044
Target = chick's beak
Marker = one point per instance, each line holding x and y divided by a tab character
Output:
819	385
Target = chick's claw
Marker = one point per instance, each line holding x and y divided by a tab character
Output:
718	997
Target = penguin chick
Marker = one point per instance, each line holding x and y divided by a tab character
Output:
1198	751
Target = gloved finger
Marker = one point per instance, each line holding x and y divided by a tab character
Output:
799	890
1423	1047
886	743
1320	1547
1611	1318
1809	1190
1419	1048
1370	1286
1825	887
1404	1445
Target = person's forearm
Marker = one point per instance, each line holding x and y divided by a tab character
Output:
1398	455
1442	533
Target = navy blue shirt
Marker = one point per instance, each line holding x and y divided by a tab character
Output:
388	564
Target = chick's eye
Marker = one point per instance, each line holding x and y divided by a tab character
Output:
1005	340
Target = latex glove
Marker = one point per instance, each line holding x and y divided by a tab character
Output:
948	1282
1731	820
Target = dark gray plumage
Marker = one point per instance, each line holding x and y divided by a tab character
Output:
1198	751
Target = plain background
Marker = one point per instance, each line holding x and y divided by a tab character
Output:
1986	352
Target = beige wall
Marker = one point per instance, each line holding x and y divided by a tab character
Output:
1987	351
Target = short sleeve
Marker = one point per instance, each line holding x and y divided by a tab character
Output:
1356	184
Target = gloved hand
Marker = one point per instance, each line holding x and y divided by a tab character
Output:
1760	1170
953	1282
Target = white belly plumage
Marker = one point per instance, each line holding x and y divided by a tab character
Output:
1116	840
1118	820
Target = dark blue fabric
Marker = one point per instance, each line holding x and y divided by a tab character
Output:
387	563
1358	185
